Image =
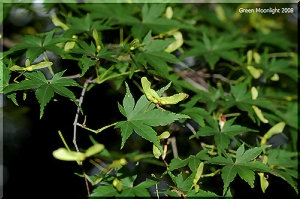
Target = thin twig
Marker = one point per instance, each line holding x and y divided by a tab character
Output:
157	195
191	129
166	163
86	183
195	84
63	140
9	43
174	147
165	151
72	76
221	77
96	131
49	67
86	83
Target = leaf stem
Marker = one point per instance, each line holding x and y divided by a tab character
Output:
121	36
114	76
96	165
86	183
63	140
174	147
156	191
211	174
232	114
49	67
96	131
282	54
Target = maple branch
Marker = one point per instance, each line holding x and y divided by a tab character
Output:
221	77
86	183
96	131
174	146
191	128
86	83
72	76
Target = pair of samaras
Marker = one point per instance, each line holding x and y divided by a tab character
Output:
153	96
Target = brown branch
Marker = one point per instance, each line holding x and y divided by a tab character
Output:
174	146
221	77
191	129
9	43
86	83
72	76
86	184
184	75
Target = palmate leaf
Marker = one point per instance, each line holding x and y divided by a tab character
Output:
118	12
153	53
242	99
222	137
192	161
201	193
152	20
85	63
284	164
128	190
287	177
141	117
282	158
36	45
4	76
157	60
243	166
213	50
45	89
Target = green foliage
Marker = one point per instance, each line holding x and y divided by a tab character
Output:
284	164
36	45
243	165
223	135
242	67
218	48
45	89
141	117
128	189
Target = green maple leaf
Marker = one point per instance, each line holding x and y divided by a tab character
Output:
156	59
284	164
117	12
153	54
192	161
128	190
4	76
273	38
280	66
36	45
87	51
152	20
213	50
183	184
4	81
242	99
44	89
201	193
141	117
221	136
85	63
244	166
